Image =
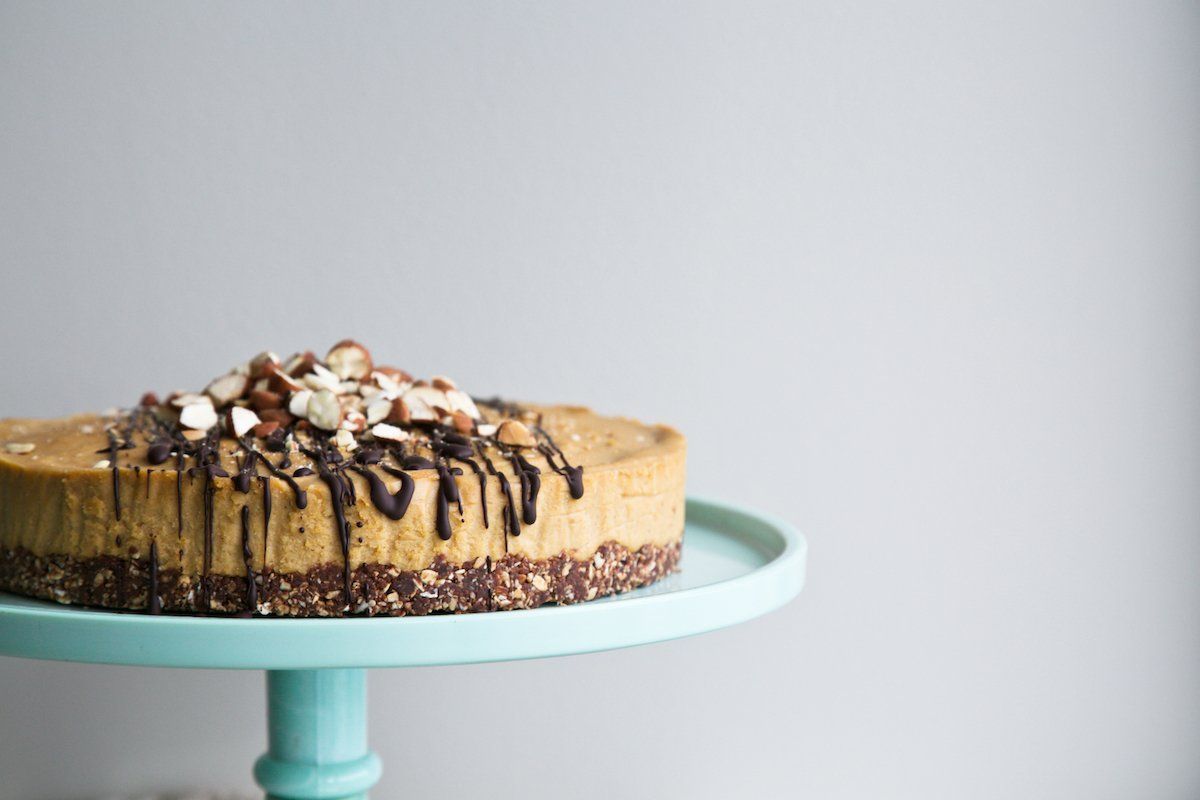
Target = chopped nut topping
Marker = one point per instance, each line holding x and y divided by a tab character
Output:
198	416
324	411
378	410
515	433
298	404
349	360
183	399
242	420
227	388
19	448
390	433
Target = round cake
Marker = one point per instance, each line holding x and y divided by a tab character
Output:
325	487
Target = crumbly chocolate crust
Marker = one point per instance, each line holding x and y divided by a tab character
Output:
511	582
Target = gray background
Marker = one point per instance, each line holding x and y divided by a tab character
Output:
923	280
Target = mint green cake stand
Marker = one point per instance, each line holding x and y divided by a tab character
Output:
737	564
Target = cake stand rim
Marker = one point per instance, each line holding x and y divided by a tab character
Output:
48	631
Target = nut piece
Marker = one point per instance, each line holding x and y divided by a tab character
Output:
278	416
378	410
227	388
515	433
390	432
242	420
443	383
394	374
282	383
300	364
260	400
349	360
195	436
399	414
19	448
426	403
485	430
462	423
298	404
149	399
354	421
102	464
345	439
322	378
198	416
324	411
461	401
181	399
264	429
263	364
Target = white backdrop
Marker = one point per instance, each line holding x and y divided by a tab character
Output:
922	279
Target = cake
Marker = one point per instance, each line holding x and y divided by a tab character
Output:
307	487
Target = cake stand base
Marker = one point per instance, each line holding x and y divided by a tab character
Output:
736	565
317	736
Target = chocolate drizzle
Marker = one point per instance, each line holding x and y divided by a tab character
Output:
338	497
300	495
113	447
447	493
153	603
512	523
391	505
265	480
573	475
248	558
159	451
531	484
179	491
434	447
246	470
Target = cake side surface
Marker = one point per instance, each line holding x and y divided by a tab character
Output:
222	539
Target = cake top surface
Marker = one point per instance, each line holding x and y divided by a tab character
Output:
300	415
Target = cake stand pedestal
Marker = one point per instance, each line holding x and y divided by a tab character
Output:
737	564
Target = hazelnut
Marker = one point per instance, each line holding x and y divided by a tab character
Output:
462	423
227	388
324	411
349	360
399	413
241	421
264	429
198	416
260	400
515	434
300	364
389	433
276	415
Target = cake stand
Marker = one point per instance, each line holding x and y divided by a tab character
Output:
737	564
